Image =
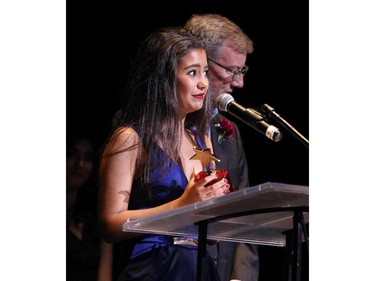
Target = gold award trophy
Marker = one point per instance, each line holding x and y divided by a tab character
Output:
206	157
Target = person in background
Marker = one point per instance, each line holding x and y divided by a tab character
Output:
147	167
83	241
82	251
227	48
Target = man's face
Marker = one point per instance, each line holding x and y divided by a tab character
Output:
221	67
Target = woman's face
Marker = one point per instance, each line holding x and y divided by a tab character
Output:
79	164
192	81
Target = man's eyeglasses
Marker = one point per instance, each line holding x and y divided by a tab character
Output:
236	73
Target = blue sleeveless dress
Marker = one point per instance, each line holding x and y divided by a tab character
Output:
155	257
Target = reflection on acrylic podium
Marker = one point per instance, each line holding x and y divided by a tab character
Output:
273	214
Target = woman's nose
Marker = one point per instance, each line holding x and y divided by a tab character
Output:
202	85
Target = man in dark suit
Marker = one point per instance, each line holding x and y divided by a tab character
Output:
227	48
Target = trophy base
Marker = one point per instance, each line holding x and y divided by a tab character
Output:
220	174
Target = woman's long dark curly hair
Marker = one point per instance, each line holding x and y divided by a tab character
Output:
150	101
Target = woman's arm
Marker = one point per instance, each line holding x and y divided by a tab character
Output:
116	178
105	261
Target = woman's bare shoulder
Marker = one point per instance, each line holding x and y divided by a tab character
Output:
123	138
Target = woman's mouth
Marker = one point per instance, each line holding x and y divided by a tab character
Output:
199	96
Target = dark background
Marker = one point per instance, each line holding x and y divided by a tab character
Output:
102	37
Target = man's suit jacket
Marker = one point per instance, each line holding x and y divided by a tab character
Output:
233	159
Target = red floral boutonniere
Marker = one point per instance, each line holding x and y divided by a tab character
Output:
224	128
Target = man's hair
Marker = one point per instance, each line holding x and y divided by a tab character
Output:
215	30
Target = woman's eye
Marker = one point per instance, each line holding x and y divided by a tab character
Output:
192	72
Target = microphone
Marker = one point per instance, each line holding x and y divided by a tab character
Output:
248	115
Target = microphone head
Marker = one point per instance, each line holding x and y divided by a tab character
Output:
223	100
273	133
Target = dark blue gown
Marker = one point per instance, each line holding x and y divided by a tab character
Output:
155	257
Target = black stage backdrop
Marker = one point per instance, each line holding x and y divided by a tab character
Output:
102	37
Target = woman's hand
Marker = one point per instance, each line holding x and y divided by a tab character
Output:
203	189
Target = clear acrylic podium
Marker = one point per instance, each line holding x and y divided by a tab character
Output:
267	214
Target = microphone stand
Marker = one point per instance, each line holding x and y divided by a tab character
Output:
269	111
293	237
